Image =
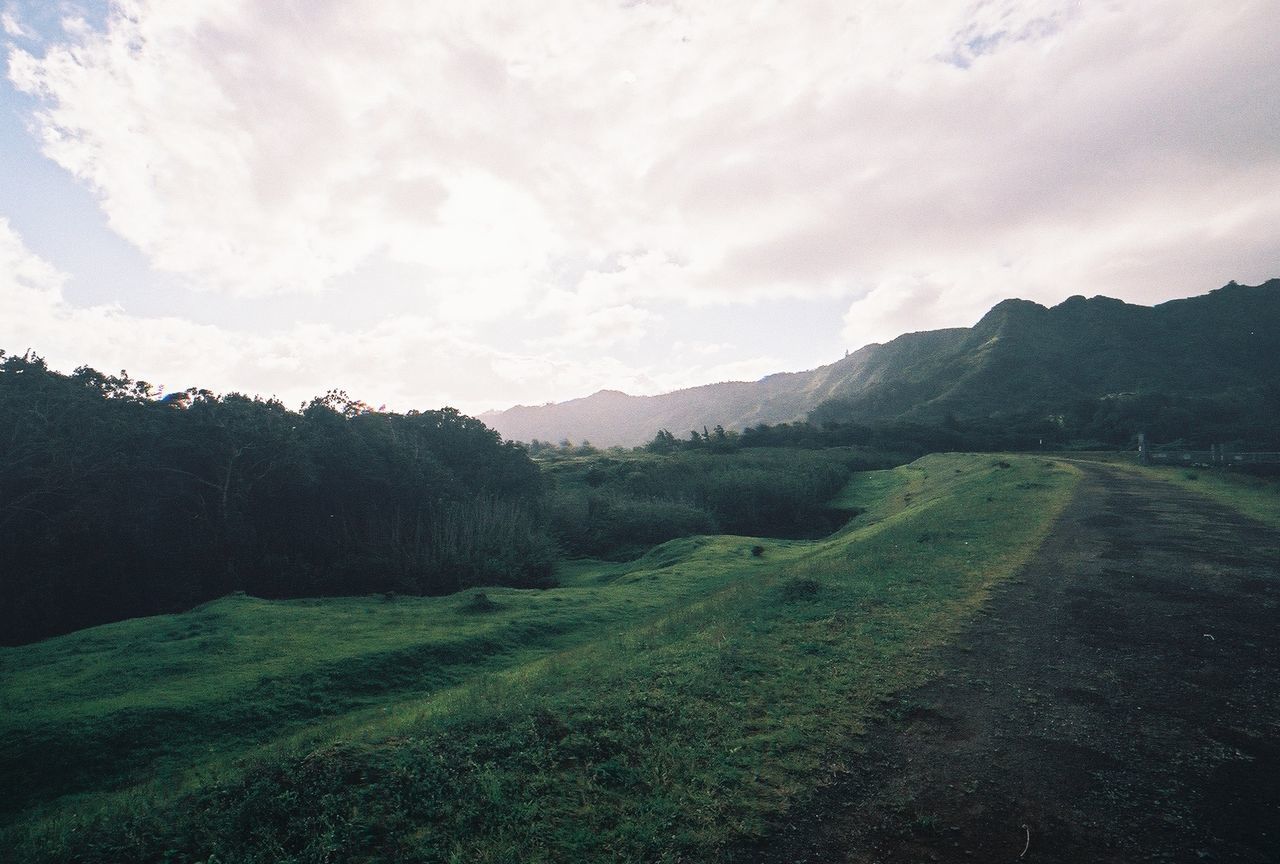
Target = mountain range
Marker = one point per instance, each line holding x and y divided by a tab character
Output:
1021	359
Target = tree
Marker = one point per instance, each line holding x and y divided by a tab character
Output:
115	503
663	442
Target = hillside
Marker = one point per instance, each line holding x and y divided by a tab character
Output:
1021	359
660	709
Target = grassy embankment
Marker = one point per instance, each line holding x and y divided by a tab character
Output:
660	709
1258	497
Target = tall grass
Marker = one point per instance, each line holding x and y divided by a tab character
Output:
487	540
617	505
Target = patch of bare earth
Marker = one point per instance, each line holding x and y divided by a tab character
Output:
1118	701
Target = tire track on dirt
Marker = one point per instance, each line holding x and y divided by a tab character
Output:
1117	701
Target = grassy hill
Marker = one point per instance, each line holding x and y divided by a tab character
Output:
666	708
1021	359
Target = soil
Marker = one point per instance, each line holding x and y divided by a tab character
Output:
1117	701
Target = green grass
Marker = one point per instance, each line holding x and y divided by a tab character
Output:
667	708
1255	496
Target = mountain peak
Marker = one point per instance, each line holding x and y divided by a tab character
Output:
1079	301
1012	309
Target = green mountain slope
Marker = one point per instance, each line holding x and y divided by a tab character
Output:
1021	359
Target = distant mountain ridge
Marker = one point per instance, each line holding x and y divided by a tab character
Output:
1020	357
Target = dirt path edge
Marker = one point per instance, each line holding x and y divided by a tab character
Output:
1116	701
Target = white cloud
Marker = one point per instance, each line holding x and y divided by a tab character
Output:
1150	252
923	159
611	326
744	369
29	281
403	361
406	362
12	24
34	315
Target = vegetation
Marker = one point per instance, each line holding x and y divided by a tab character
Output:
1257	495
661	709
1087	372
1253	490
1240	419
116	503
618	505
720	614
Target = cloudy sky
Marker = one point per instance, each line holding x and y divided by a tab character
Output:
482	203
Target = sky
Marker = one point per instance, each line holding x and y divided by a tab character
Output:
480	204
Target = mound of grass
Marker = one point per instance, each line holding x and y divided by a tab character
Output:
661	709
800	588
477	602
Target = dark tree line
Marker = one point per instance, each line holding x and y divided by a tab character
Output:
714	441
114	503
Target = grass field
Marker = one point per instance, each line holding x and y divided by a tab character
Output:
667	708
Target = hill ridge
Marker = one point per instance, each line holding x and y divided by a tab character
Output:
1021	356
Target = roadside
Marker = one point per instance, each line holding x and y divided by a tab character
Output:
1116	702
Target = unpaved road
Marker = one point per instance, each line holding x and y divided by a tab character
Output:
1118	701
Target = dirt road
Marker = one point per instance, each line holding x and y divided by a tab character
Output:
1118	701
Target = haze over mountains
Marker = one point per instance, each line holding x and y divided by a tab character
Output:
1021	359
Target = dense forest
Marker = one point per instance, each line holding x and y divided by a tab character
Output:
115	502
